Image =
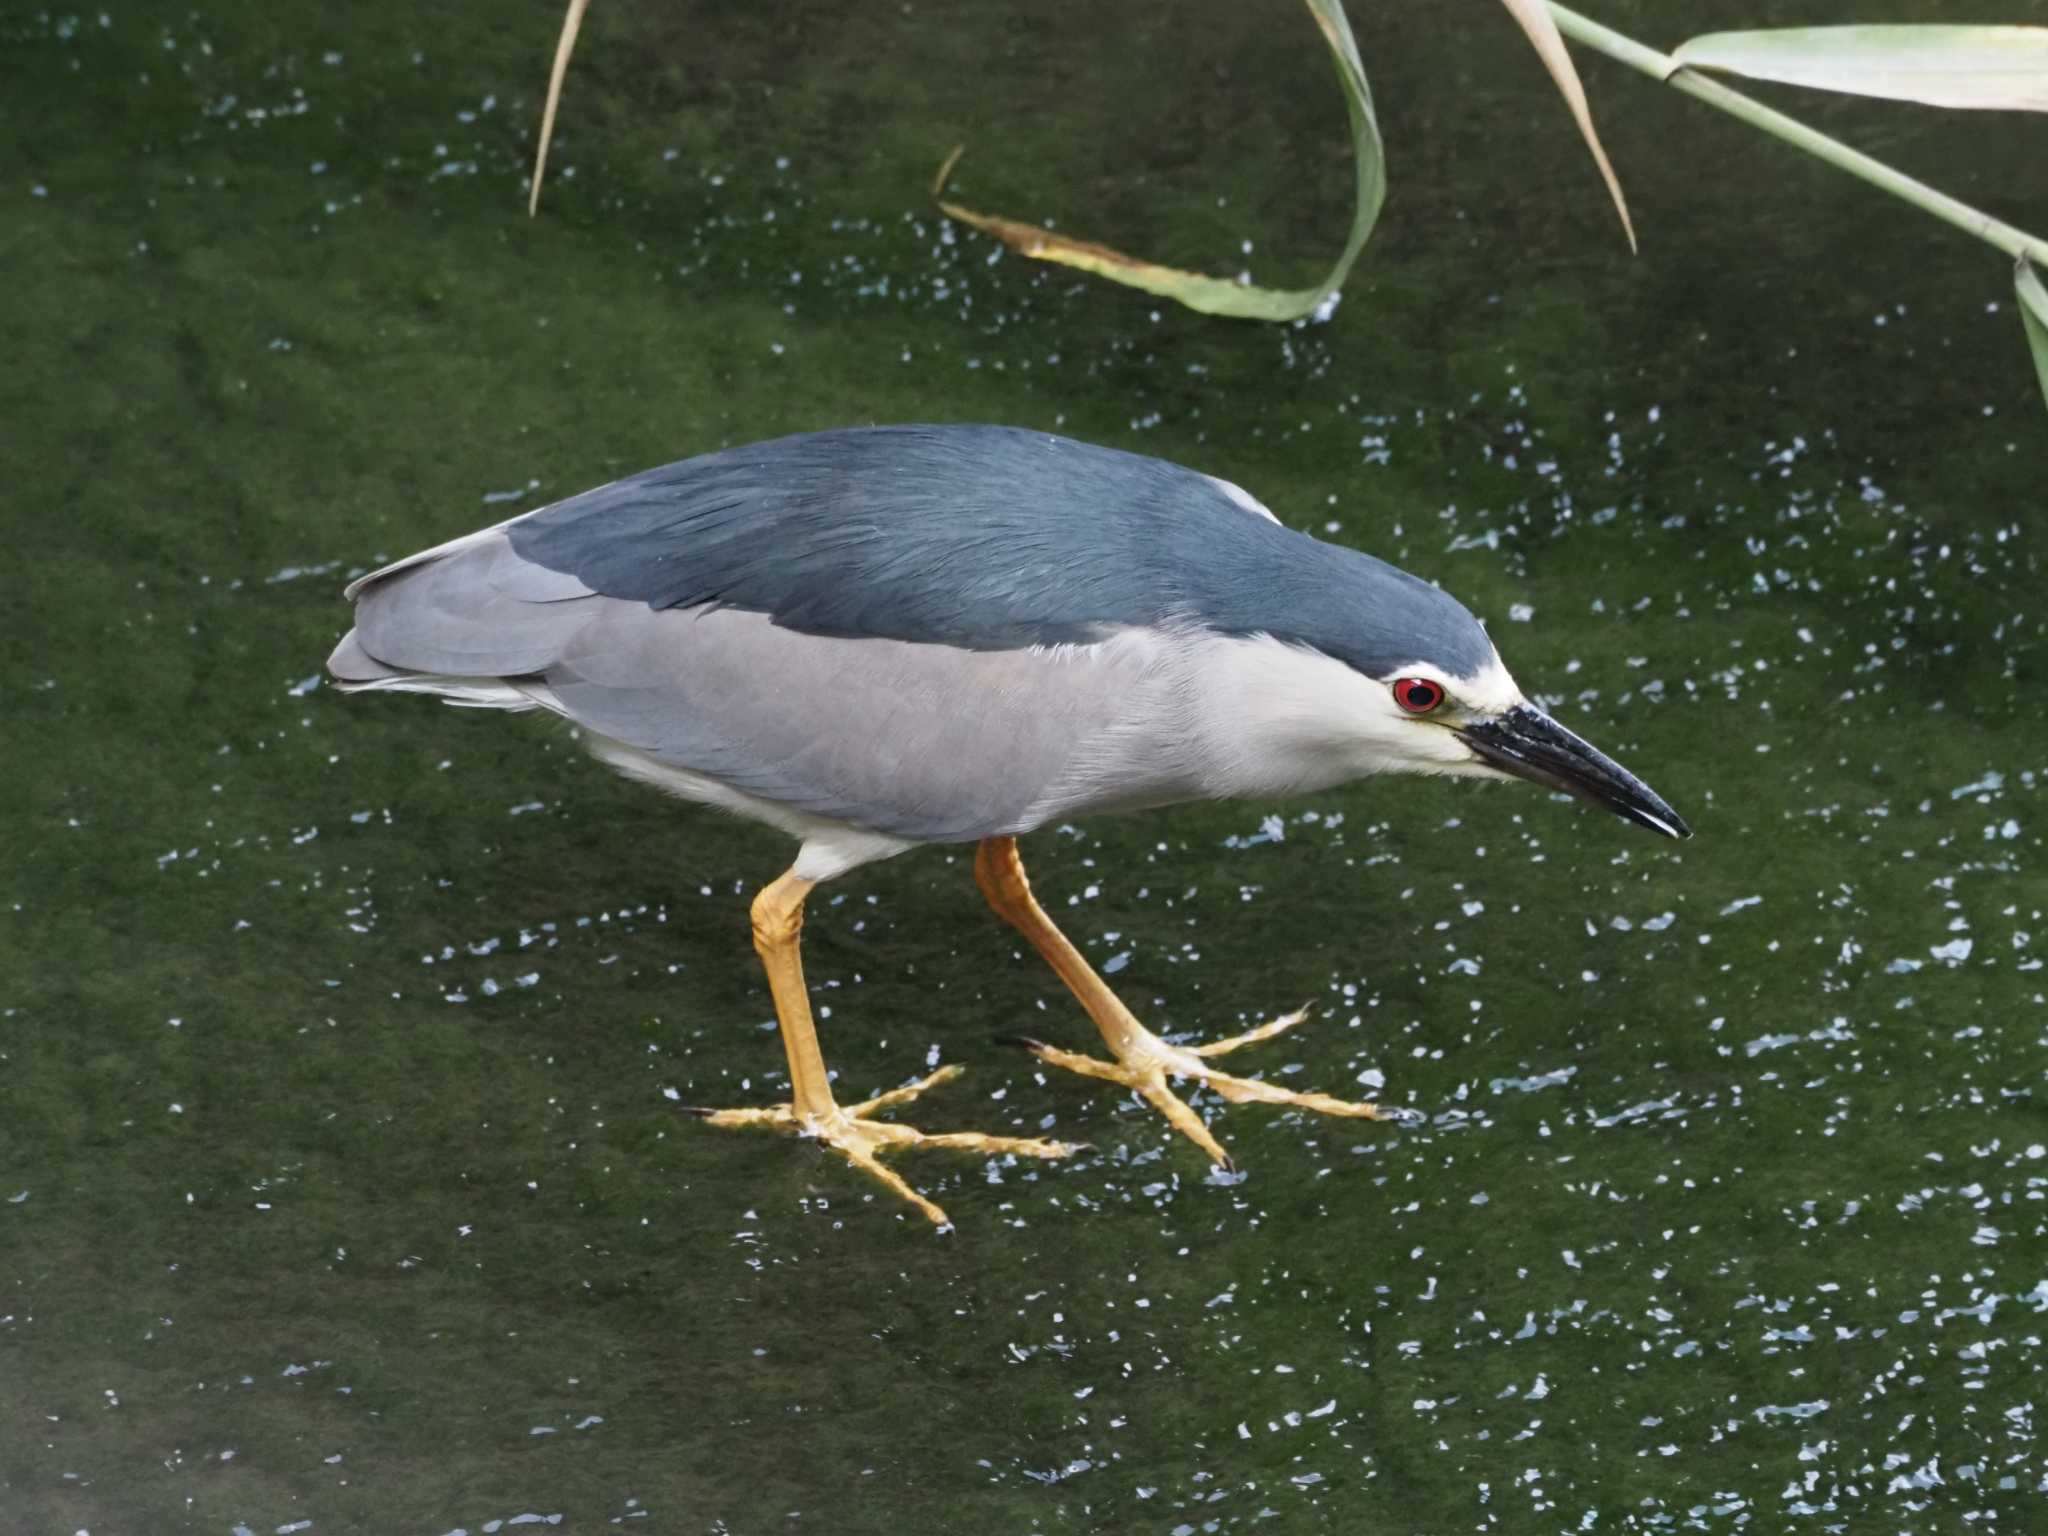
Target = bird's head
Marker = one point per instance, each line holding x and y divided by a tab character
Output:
1409	681
1433	718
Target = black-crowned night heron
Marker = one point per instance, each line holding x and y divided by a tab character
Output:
883	637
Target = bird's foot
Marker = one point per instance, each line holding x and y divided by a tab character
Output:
861	1140
1145	1062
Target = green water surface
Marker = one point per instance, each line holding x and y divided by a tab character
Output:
344	1184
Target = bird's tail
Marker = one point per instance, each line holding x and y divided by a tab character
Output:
355	670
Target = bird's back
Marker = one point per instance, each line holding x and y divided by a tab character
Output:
986	537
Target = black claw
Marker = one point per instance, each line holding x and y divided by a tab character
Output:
1399	1115
1029	1042
698	1110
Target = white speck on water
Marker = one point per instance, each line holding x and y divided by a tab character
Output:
1533	1084
1271	830
1792	1410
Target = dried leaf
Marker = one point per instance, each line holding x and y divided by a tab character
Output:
1535	19
1988	68
1215	295
2034	317
1211	295
572	23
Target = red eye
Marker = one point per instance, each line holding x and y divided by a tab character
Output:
1417	695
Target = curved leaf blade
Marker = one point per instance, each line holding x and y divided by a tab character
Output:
1215	295
2034	317
1980	68
1535	19
572	23
1209	295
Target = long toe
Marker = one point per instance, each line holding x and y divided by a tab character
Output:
1001	1146
1183	1119
857	1151
1249	1090
1265	1031
903	1095
773	1117
1127	1073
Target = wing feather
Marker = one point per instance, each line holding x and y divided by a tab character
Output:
923	741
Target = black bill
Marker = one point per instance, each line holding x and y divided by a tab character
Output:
1529	744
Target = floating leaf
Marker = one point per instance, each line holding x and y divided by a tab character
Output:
1980	67
1215	295
565	45
2034	316
1536	20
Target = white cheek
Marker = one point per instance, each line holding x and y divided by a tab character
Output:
1435	749
1273	719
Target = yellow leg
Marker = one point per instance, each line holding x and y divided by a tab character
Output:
1143	1061
852	1132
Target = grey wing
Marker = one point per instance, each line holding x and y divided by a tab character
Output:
923	741
475	610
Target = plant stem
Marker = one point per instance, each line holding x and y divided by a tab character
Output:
2014	242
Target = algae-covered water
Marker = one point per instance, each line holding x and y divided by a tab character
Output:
344	1179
